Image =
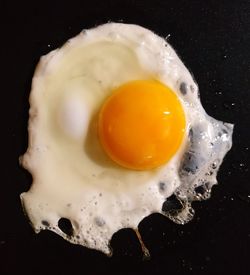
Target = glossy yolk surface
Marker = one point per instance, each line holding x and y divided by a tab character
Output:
141	125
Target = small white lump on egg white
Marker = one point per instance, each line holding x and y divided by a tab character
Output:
117	132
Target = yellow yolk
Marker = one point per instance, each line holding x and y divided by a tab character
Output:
141	125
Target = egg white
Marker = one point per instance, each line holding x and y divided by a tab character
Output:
72	176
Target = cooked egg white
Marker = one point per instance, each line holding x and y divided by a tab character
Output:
73	175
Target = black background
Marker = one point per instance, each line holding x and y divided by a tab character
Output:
213	40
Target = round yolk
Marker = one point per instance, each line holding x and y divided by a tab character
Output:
141	125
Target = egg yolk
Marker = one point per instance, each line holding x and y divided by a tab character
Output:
141	125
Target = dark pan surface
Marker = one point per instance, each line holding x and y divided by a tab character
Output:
213	40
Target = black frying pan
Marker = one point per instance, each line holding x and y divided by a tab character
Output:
213	40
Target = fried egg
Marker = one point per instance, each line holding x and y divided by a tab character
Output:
116	130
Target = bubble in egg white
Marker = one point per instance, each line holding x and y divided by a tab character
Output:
73	179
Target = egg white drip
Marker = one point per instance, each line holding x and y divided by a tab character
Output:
72	176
